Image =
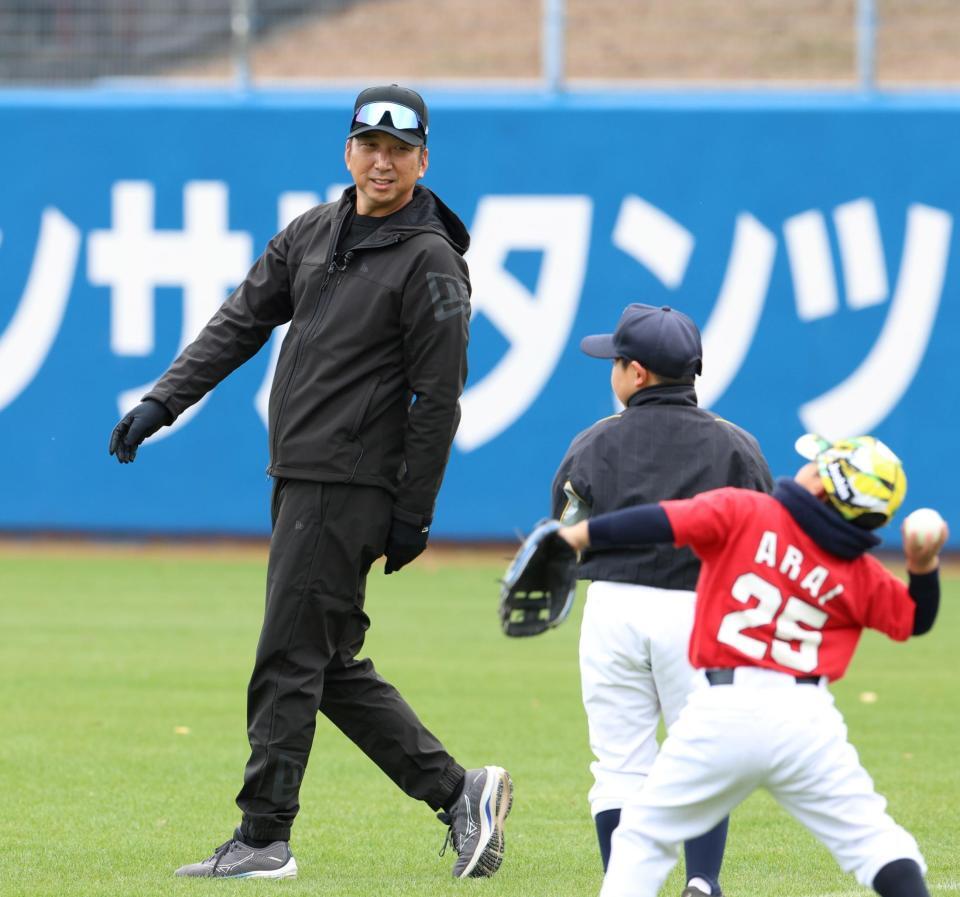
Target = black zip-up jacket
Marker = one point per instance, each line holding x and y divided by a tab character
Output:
661	446
370	330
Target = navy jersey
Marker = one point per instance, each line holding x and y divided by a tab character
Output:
661	446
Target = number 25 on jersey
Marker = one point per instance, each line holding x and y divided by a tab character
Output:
796	637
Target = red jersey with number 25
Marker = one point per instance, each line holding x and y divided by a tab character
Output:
769	596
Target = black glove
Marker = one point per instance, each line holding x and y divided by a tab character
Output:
137	425
540	584
404	542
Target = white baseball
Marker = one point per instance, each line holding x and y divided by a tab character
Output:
923	527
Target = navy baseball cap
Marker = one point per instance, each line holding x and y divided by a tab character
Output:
396	110
661	338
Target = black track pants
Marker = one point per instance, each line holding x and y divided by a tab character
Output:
325	537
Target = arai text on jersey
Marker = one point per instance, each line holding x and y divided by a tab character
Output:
791	565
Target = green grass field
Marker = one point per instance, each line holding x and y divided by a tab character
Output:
123	681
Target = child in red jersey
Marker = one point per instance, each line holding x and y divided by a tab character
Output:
786	588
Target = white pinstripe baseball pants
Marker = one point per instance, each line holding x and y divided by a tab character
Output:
633	668
763	731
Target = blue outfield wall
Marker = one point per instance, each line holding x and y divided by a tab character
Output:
812	237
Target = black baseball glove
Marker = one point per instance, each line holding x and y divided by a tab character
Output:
540	584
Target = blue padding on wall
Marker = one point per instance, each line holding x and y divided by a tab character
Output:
810	235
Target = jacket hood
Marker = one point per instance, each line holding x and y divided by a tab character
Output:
424	213
821	523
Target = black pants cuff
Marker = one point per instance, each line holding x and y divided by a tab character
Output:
264	830
449	779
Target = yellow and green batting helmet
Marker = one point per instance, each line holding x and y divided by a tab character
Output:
863	478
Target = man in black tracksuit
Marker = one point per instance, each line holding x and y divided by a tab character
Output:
363	411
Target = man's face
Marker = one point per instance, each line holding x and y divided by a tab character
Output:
385	170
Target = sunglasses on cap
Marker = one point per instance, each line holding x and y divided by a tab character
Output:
403	117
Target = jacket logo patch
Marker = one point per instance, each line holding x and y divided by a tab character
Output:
448	294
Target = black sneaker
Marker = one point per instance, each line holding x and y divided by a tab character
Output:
476	822
234	859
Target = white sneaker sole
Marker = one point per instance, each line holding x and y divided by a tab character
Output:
496	801
287	870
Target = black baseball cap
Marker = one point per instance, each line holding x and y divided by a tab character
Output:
661	338
396	110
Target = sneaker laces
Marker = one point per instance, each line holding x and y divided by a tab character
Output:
447	820
221	852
